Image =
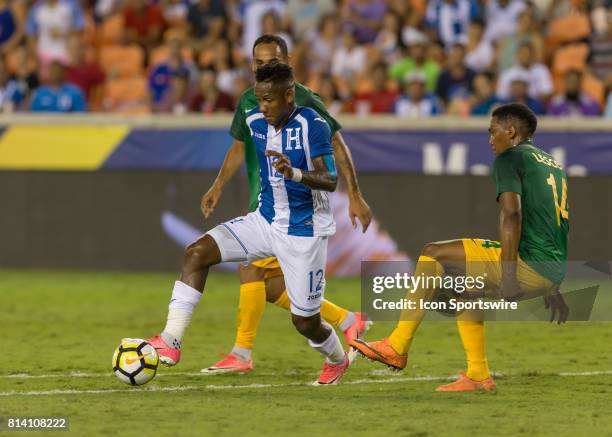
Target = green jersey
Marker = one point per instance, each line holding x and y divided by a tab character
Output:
542	185
240	131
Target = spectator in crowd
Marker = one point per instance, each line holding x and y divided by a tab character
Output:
510	44
49	24
144	23
350	58
227	68
455	81
573	102
106	8
58	95
271	24
11	95
178	95
413	25
208	98
415	102
202	14
365	16
519	93
417	61
11	28
380	99
80	71
537	75
175	13
323	44
484	100
303	16
388	40
254	11
25	72
329	95
449	19
162	75
480	53
600	47
501	17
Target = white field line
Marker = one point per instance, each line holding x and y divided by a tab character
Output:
104	375
258	386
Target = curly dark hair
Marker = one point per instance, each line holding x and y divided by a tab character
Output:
520	114
274	72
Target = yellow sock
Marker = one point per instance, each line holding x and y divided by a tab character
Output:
472	337
330	312
250	310
402	335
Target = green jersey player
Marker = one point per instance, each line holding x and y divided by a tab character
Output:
529	259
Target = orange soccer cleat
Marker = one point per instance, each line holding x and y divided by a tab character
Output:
380	351
464	383
230	364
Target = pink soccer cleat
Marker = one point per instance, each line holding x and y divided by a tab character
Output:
355	331
229	364
332	373
168	355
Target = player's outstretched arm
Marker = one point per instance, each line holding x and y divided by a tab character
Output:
323	177
510	216
358	207
231	163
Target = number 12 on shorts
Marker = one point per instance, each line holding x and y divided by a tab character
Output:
316	280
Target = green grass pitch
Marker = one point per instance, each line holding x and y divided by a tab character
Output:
60	328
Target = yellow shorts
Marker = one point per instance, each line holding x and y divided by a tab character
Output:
271	266
483	259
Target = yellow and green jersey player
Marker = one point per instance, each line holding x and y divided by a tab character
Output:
528	261
263	280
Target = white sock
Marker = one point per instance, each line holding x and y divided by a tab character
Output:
331	348
348	321
242	353
183	302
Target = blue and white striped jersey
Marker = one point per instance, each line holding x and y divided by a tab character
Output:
292	207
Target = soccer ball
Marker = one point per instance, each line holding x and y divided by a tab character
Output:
135	361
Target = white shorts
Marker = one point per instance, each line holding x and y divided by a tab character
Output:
302	259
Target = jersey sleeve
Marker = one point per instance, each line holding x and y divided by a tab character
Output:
507	175
319	138
239	127
312	100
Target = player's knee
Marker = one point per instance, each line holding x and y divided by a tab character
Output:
202	253
306	326
432	250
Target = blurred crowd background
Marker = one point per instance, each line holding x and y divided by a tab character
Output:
411	58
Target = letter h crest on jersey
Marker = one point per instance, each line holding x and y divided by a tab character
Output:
293	139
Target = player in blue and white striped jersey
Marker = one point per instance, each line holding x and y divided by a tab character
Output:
292	222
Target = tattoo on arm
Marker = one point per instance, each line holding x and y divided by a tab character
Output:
323	177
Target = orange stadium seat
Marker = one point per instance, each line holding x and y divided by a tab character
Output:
570	57
120	61
568	28
126	96
594	87
111	30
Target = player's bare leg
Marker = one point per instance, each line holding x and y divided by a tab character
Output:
187	292
435	259
323	338
352	324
